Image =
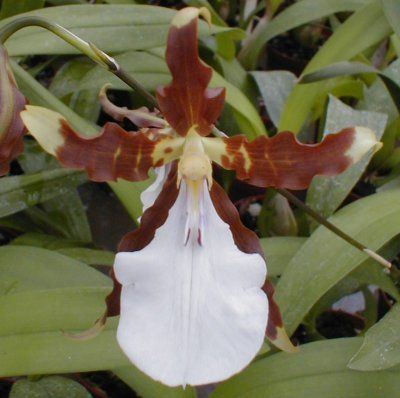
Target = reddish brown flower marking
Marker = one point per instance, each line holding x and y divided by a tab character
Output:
114	153
275	318
283	162
187	101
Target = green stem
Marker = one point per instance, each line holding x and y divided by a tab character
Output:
84	47
321	220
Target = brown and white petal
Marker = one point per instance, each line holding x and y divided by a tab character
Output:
187	102
113	153
283	162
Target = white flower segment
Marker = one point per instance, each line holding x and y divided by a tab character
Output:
192	308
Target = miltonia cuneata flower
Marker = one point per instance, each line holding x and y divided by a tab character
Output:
190	281
12	102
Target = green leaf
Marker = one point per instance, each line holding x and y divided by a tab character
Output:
112	28
84	102
279	251
338	69
12	7
129	195
89	256
20	192
51	309
37	303
296	15
318	370
149	69
44	241
24	268
381	345
49	387
376	97
51	352
353	68
146	387
326	194
391	9
325	259
247	116
369	273
275	87
363	29
67	210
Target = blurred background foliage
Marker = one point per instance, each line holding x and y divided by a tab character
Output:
308	66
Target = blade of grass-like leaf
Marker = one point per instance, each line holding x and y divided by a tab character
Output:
149	69
369	273
381	345
337	69
89	256
52	353
353	68
325	259
376	97
20	192
24	268
364	28
67	210
44	241
279	251
317	370
296	15
12	7
391	9
275	87
326	194
112	28
84	102
246	115
51	310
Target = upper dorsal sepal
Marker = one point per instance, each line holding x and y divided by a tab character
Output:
187	101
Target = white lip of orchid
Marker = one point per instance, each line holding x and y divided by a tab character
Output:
211	311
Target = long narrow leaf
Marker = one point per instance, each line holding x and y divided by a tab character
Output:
364	28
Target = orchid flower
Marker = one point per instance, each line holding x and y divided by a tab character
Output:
190	281
12	102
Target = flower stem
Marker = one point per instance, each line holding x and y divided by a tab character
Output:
84	47
321	220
